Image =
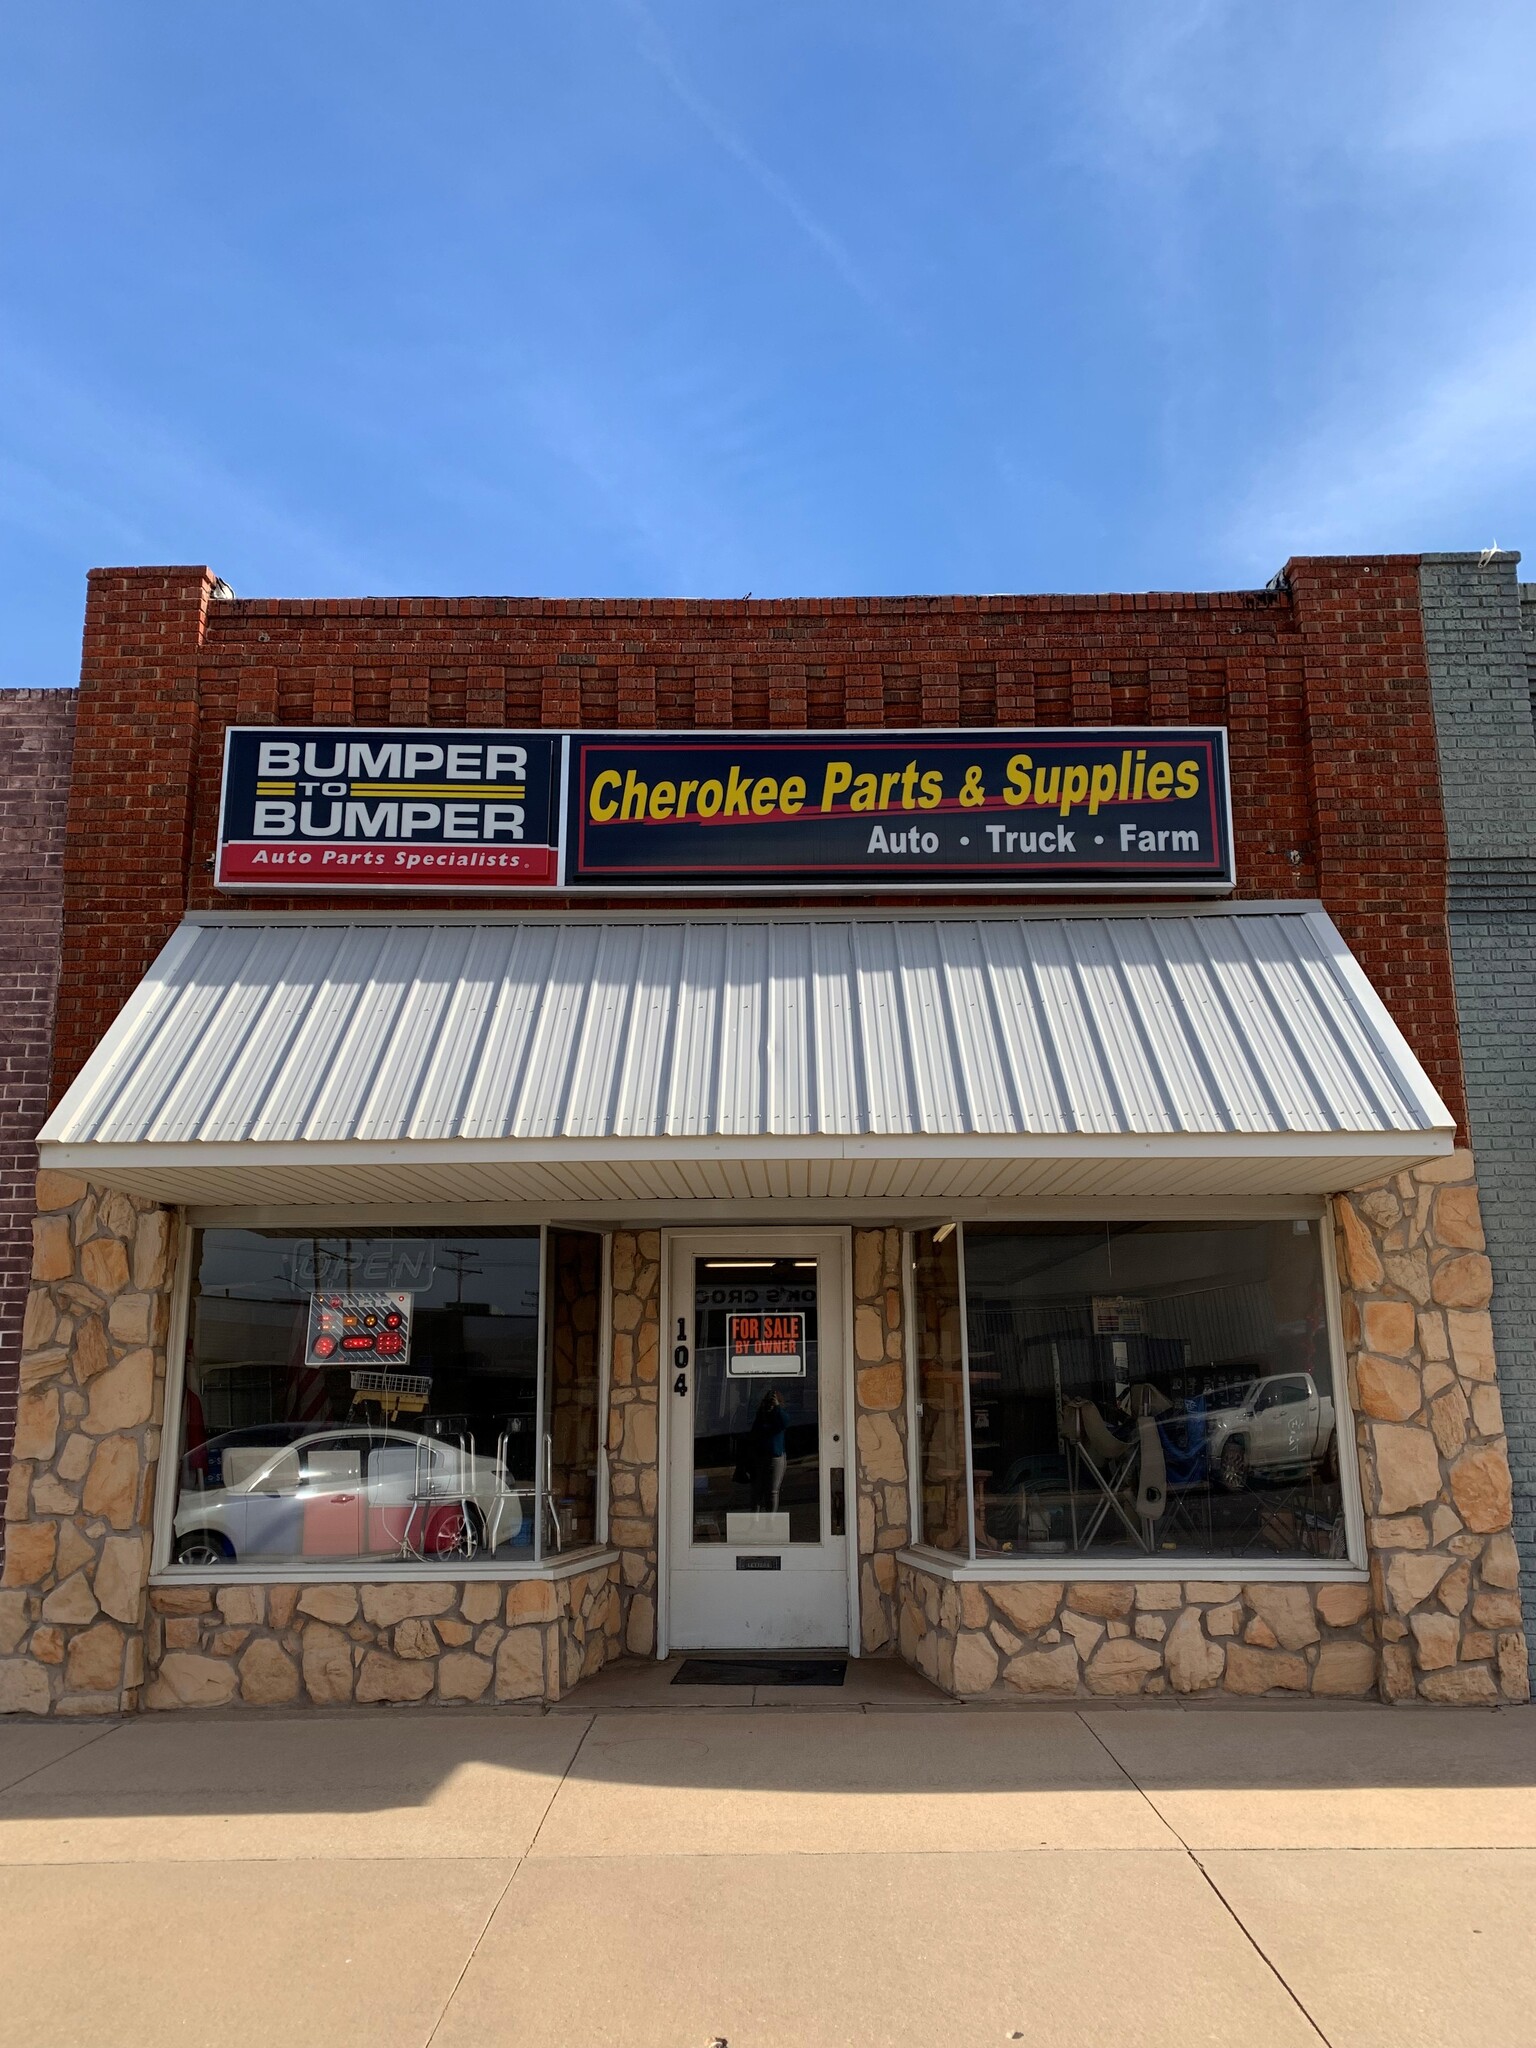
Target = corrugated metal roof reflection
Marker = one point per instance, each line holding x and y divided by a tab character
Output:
743	1029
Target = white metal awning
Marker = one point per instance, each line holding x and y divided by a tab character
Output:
896	1062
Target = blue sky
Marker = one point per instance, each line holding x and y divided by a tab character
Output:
687	297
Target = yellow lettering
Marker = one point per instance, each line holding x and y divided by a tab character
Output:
663	797
684	791
933	790
1074	787
1016	788
837	778
737	789
1047	786
863	798
635	794
1159	781
1104	780
709	799
792	795
1189	778
765	795
600	806
887	784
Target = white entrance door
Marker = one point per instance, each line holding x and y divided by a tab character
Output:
761	1468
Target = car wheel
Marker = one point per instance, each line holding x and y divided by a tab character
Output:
204	1546
453	1531
1232	1466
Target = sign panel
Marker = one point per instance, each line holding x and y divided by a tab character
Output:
765	1346
360	1326
313	807
1063	807
1119	1315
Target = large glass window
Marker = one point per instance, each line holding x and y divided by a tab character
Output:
1143	1390
383	1396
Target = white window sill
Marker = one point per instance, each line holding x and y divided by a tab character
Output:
1162	1571
376	1572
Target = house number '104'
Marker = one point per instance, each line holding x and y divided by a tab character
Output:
680	1357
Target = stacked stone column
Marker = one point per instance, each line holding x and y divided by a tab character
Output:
880	1388
1434	1460
633	1436
72	1601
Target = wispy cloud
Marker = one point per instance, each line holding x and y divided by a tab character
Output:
657	52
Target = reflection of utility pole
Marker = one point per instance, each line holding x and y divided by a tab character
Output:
463	1262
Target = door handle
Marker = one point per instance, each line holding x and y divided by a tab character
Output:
342	1500
839	1504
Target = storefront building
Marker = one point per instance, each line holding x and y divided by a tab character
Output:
925	1128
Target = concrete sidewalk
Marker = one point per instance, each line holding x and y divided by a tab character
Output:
873	1868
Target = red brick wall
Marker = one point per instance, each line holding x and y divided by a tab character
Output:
1323	686
36	734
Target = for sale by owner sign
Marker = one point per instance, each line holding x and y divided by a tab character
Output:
769	1346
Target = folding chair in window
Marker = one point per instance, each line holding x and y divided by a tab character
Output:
1111	1464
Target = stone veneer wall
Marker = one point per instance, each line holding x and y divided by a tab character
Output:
72	1596
1434	1460
880	1447
407	1641
633	1413
1440	1618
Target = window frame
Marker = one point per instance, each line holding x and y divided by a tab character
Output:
163	1568
1083	1566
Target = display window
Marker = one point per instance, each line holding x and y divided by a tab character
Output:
1129	1393
413	1398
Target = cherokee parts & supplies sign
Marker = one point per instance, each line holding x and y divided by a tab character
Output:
312	807
1061	807
1058	809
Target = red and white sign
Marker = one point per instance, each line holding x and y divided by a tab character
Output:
766	1345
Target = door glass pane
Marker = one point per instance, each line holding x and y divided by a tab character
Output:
756	1394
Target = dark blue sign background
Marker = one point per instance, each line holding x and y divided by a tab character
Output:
392	807
1061	807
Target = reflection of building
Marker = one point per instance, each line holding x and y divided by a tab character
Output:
1141	1271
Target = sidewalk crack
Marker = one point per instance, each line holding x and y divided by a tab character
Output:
1222	1900
512	1875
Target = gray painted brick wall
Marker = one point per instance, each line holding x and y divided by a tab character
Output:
1480	634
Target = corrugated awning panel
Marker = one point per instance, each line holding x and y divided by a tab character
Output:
740	1030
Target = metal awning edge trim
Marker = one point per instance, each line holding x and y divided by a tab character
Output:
95	1156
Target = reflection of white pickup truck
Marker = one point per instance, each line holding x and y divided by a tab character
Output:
1279	1424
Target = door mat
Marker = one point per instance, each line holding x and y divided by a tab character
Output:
761	1671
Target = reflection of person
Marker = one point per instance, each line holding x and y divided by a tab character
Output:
769	1456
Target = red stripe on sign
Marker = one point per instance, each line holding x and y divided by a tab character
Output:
383	862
